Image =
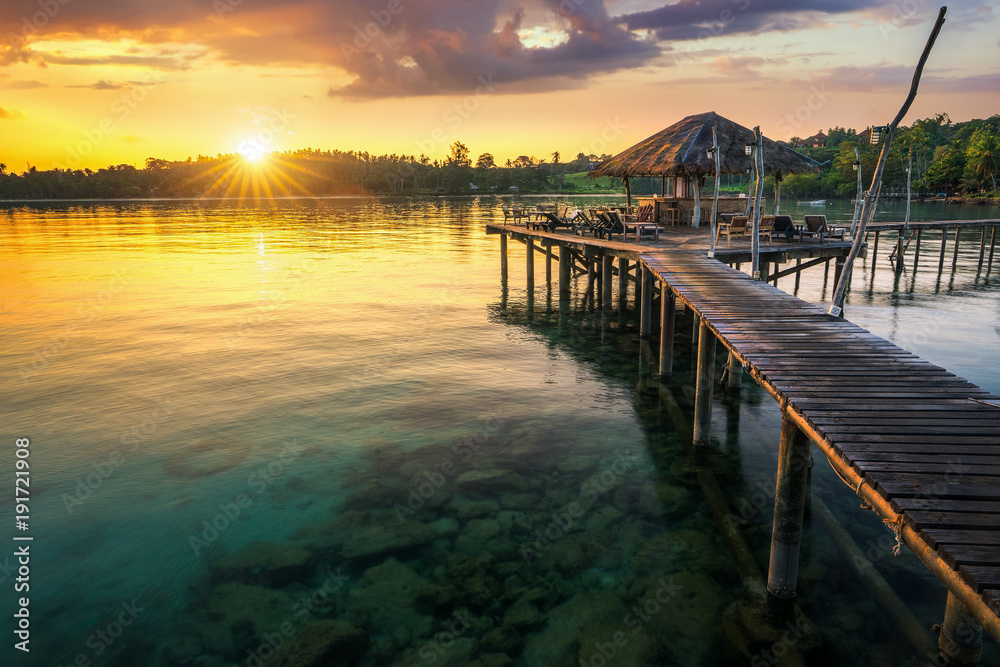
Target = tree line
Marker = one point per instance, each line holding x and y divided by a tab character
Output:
942	156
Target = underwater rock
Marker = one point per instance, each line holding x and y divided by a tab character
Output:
384	603
519	501
324	644
492	660
682	610
233	616
444	527
332	532
753	632
581	616
265	563
676	549
505	640
387	537
472	580
473	509
490	482
578	464
599	519
523	615
183	651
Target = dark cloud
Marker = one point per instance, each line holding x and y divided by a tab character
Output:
101	85
701	19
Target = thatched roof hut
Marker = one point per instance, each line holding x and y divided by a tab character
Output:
681	150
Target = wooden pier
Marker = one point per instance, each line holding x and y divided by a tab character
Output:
918	445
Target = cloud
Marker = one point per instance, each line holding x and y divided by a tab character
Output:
10	114
701	19
100	85
24	85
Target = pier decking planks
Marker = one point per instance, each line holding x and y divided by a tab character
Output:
908	427
927	441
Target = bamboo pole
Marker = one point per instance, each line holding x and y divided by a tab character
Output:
503	258
622	283
564	271
758	155
529	263
954	254
715	196
859	196
646	308
944	243
868	210
789	505
961	638
703	388
916	249
607	271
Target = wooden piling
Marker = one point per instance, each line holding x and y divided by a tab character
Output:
735	375
875	247
564	265
529	263
916	249
982	246
646	313
503	259
954	254
899	251
668	312
548	264
944	242
993	239
961	637
838	268
789	503
622	283
607	270
703	387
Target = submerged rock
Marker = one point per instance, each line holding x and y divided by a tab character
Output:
384	603
387	537
324	644
265	563
491	482
232	617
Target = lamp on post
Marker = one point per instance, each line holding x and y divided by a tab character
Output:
856	165
877	131
711	153
748	149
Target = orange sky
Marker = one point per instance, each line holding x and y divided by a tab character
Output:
88	83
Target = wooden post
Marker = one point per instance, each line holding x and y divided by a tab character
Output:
758	157
735	375
529	263
982	246
789	503
607	271
765	271
696	214
961	637
993	240
916	250
954	254
703	389
564	260
622	283
503	259
798	275
548	264
899	251
838	268
715	197
646	311
944	242
875	248
668	312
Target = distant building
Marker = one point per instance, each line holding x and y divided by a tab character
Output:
817	140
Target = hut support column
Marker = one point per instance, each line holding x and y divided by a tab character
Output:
703	388
789	504
696	215
734	375
646	312
668	311
622	283
564	260
606	270
961	638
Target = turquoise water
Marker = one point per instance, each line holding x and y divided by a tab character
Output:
265	429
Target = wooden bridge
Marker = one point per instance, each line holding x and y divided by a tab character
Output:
920	446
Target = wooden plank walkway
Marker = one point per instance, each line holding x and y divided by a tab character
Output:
919	445
927	442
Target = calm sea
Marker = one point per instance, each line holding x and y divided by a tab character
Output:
263	427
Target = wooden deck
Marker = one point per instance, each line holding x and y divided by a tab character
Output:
919	445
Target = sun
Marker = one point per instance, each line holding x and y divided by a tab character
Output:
251	153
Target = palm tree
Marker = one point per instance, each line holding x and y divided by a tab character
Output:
984	156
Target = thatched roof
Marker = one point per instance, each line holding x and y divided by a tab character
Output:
681	150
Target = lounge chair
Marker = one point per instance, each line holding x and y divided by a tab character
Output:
645	213
737	226
516	214
816	226
551	222
611	223
783	225
766	227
